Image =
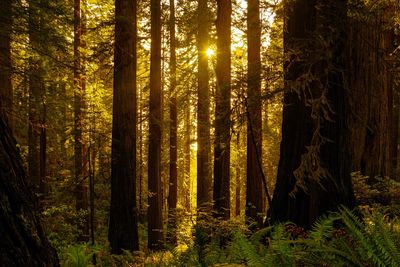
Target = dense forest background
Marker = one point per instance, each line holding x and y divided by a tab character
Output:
192	133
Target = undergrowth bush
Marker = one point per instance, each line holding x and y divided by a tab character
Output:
340	239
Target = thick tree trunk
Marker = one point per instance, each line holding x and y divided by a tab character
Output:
223	111
123	228
23	242
313	175
6	91
204	179
369	94
155	218
173	152
254	186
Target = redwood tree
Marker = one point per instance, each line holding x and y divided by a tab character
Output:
371	93
79	86
155	222
204	181
23	241
37	102
314	173
254	186
6	91
173	148
123	226
223	111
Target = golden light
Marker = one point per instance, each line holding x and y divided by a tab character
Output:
193	146
210	52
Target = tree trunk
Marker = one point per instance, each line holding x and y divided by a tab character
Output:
254	186
313	175
223	111
142	193
22	242
369	119
204	179
92	154
173	155
36	116
186	156
79	87
6	90
155	222
123	228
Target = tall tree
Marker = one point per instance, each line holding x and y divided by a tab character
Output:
314	172
6	90
123	227
254	186
79	87
204	180
173	148
223	110
155	219
37	108
370	94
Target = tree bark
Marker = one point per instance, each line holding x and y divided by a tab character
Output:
223	111
204	179
173	152
254	187
155	223
369	119
313	175
123	228
23	241
6	90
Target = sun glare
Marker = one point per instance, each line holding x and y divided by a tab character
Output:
210	52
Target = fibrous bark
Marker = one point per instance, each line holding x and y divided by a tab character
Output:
6	91
314	173
369	45
23	241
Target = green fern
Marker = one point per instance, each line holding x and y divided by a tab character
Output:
77	256
244	250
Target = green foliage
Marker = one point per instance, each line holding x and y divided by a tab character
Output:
377	193
339	239
78	256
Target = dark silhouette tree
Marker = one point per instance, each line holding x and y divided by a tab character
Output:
314	172
123	227
254	187
223	111
37	102
204	181
155	219
173	146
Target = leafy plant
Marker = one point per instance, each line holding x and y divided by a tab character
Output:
78	256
